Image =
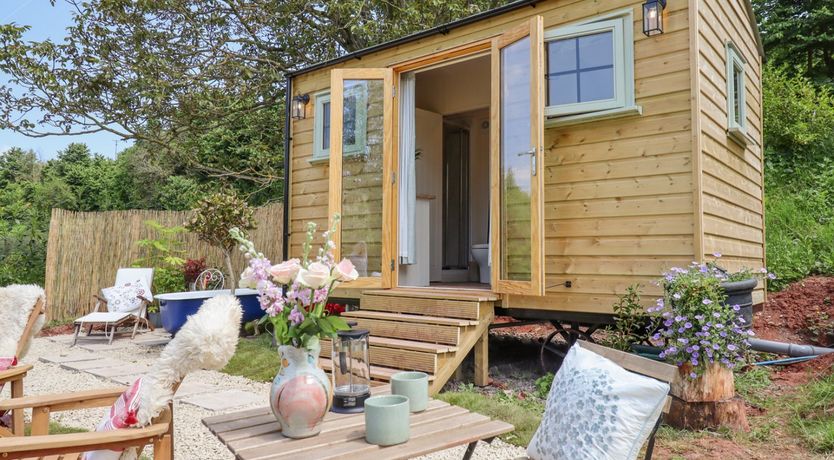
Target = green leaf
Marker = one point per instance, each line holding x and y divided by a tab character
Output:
326	325
338	323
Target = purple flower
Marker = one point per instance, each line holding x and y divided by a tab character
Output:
688	325
693	375
676	296
671	350
694	361
715	314
771	276
668	323
763	270
662	355
679	318
683	340
681	330
707	301
296	316
717	255
732	347
736	308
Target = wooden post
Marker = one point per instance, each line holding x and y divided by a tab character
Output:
482	359
17	414
708	401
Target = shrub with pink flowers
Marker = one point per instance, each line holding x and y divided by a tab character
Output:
694	324
294	293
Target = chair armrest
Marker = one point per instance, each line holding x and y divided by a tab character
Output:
14	373
65	401
43	445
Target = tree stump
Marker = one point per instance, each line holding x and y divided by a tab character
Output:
707	402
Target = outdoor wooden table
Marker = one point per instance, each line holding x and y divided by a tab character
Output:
254	434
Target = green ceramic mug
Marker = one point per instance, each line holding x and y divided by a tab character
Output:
386	420
414	385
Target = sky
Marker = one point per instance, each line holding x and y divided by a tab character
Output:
48	22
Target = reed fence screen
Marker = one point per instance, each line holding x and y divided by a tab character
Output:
86	248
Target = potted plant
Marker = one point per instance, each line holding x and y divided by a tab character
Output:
706	338
191	271
739	287
212	219
294	295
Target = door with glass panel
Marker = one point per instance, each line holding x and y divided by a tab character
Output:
517	112
361	166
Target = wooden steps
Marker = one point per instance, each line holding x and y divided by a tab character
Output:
424	329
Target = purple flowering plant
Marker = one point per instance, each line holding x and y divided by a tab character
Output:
693	322
294	293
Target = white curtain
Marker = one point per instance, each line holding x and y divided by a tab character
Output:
407	174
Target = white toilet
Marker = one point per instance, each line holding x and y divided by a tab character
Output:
480	252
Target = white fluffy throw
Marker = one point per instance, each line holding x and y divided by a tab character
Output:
206	341
16	304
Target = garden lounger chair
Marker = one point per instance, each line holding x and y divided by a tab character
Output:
115	318
141	414
21	317
605	399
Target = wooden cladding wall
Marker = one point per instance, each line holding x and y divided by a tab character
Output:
86	248
732	177
623	197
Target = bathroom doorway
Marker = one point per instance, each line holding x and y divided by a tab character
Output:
452	155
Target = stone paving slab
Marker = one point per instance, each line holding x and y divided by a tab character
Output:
93	364
128	369
100	344
223	400
63	338
125	379
152	342
193	388
69	357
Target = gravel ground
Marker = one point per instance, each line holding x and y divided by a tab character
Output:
192	438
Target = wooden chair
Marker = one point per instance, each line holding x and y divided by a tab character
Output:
643	366
15	375
111	321
206	341
41	444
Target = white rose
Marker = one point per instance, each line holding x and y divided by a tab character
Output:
315	275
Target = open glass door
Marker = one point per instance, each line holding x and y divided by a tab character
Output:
517	124
361	171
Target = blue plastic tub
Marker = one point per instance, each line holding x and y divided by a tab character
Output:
176	307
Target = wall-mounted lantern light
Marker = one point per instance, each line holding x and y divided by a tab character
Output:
653	17
299	104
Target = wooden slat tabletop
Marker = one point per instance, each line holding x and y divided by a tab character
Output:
254	434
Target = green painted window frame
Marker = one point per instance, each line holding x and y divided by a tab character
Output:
321	154
736	119
620	23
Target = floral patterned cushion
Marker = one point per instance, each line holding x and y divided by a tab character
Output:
597	410
122	414
126	297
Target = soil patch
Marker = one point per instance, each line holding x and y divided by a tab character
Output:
800	314
804	372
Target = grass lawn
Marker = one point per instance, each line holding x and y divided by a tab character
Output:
56	428
255	359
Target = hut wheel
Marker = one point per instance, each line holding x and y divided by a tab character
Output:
556	345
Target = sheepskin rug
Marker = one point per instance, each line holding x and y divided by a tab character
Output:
16	304
207	340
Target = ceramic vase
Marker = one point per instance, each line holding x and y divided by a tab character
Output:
301	393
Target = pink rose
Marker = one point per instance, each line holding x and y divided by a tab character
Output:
315	276
345	271
286	271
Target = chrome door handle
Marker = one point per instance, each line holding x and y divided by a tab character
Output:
532	154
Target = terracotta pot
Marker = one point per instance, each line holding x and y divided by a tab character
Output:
301	393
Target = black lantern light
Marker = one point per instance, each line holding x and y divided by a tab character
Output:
298	105
653	17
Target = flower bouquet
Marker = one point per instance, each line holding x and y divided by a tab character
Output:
294	294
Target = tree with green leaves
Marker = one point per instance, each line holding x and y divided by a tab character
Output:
799	34
214	217
176	75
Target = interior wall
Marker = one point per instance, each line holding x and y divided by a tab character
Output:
429	170
456	88
479	178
